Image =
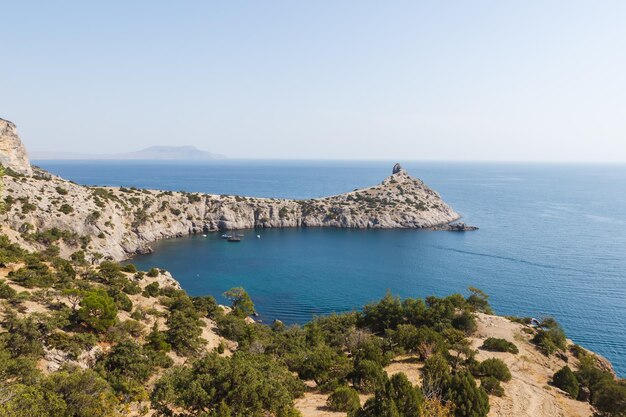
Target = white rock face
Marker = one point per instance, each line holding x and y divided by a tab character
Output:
12	152
119	222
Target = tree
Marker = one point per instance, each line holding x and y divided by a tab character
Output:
344	399
368	376
378	406
241	302
323	364
183	332
385	314
24	337
84	391
469	400
565	379
435	376
408	399
27	401
97	310
479	301
74	296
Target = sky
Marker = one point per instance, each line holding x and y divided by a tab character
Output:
445	80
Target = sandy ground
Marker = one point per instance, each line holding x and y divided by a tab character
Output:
528	392
526	395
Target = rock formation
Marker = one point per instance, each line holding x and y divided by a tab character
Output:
12	152
118	222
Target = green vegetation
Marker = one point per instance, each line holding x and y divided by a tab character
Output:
492	386
493	367
499	345
157	359
550	337
344	399
567	381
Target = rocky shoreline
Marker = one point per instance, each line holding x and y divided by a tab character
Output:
119	222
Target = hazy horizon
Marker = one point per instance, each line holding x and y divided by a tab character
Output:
480	81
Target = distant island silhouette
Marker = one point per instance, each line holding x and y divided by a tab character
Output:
186	153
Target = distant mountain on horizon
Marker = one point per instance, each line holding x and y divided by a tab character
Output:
182	153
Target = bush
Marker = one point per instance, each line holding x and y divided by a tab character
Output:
493	367
492	386
151	290
121	300
550	337
344	399
566	380
465	322
470	400
153	273
253	385
499	345
368	376
7	292
66	209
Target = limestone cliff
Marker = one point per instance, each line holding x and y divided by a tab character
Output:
12	152
120	222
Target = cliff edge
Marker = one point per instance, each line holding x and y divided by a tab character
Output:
12	152
117	222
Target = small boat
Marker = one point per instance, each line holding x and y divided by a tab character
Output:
233	239
225	236
258	236
203	235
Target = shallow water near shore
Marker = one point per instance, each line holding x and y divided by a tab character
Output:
552	240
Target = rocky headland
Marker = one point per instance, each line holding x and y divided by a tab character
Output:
118	222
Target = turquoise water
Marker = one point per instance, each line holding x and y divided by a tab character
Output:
552	240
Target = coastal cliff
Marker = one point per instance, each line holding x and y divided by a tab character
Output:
118	222
12	152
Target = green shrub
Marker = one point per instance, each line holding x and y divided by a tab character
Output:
499	345
368	376
493	367
250	385
66	208
153	273
465	322
151	290
61	190
6	291
469	400
567	381
131	288
121	300
492	386
344	399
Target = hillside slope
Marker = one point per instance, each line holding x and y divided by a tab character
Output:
120	222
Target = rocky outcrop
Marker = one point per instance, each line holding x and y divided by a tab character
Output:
455	227
12	152
119	222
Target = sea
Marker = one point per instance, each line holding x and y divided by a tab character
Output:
552	240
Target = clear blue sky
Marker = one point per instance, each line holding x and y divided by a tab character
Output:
477	80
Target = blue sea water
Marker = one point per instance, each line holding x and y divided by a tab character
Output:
552	240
